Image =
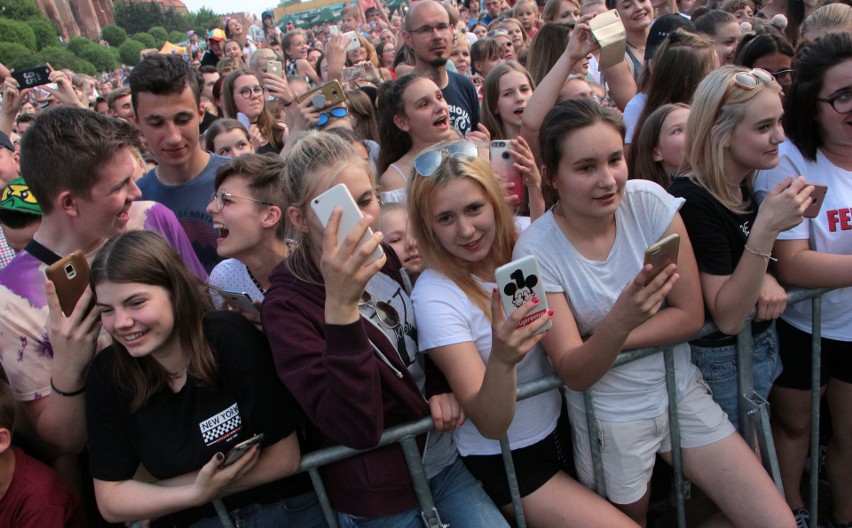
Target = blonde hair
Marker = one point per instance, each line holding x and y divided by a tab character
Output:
421	193
718	107
831	17
316	157
551	9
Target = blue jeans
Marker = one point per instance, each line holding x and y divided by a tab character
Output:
302	510
718	366
459	498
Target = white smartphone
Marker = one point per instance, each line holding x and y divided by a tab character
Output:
244	120
240	449
518	282
275	68
352	42
503	165
241	301
334	30
339	196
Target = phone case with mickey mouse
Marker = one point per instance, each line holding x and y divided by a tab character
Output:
518	282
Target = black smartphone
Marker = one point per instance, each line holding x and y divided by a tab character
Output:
240	449
32	77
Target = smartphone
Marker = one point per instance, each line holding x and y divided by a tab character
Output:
817	197
70	275
338	196
275	68
240	449
334	30
662	254
353	73
241	301
32	77
608	31
503	165
244	120
352	42
518	282
325	95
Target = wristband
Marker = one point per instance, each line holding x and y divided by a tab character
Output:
66	394
766	256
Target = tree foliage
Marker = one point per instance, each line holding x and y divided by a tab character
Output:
113	34
77	43
129	52
17	56
177	36
146	39
19	9
61	58
100	57
45	33
17	32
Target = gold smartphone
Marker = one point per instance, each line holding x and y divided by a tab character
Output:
325	95
662	254
70	275
608	31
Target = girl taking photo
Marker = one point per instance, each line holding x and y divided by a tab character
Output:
179	387
243	93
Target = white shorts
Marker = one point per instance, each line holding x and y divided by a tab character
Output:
628	449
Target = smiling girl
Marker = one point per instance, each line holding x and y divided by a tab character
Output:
228	138
243	93
173	369
734	129
590	247
466	231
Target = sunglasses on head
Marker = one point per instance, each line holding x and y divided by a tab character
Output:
751	80
428	162
340	111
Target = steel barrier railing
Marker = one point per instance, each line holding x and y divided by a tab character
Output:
754	411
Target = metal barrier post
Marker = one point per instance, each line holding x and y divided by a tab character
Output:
674	433
322	496
512	478
428	512
816	349
594	445
222	512
745	381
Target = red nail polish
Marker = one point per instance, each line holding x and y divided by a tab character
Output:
494	290
535	300
550	313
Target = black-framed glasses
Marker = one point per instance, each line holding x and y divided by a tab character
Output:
256	91
386	313
427	29
842	102
751	79
219	197
784	76
340	111
428	162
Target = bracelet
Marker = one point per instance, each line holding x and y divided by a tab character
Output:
67	394
766	256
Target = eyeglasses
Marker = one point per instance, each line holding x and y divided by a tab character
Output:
751	80
219	199
256	91
842	102
427	29
340	111
386	313
783	76
497	33
427	163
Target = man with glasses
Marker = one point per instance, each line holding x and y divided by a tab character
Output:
429	34
166	95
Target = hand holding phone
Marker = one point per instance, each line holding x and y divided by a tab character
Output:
817	197
70	276
240	449
275	68
608	30
503	165
662	254
518	282
32	77
240	301
339	196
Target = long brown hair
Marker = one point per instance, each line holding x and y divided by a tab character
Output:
265	121
145	257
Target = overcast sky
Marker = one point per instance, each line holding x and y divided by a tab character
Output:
229	6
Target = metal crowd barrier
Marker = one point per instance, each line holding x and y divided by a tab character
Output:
754	418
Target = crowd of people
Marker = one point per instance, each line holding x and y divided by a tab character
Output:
222	306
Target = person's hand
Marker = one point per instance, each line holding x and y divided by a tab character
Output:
257	139
482	137
371	73
251	315
447	413
277	88
64	91
335	56
525	164
637	303
73	338
581	43
509	342
13	98
212	480
345	270
301	116
784	205
772	300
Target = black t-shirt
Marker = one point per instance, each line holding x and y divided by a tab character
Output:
175	433
460	95
718	235
209	59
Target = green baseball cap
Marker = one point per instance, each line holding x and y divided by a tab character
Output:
17	197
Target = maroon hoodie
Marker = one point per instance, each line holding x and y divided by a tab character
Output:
349	393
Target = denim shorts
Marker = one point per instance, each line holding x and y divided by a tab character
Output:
718	366
302	510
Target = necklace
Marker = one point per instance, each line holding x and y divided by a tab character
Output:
637	48
254	280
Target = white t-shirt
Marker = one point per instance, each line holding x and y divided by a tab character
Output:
829	232
233	275
446	316
636	390
631	115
